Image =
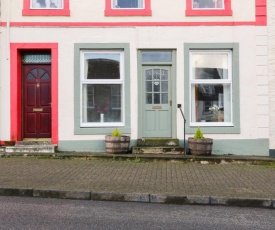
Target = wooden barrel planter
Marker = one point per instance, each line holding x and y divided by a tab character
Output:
117	144
200	146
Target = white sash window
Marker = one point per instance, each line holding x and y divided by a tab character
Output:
102	88
211	88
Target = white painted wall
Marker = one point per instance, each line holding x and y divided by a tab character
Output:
271	70
253	69
162	10
4	88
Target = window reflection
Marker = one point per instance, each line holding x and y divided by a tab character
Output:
58	4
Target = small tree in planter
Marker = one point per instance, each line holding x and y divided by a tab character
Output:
117	143
199	145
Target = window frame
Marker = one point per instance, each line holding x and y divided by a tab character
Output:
213	127
94	82
227	11
28	11
145	11
193	82
104	130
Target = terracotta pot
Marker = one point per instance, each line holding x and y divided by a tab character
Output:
117	144
200	146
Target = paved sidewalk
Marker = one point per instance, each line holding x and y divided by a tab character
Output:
173	181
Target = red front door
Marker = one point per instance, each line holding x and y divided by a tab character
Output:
36	101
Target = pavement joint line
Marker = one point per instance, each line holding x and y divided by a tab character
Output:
138	197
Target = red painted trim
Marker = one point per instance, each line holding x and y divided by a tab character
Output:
201	12
27	11
127	12
15	86
117	24
261	13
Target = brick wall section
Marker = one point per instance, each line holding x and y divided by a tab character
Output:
271	70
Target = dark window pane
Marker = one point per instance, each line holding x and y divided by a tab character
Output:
156	74
156	98
102	66
35	72
148	74
101	100
30	77
164	74
45	76
148	86
156	86
128	3
149	98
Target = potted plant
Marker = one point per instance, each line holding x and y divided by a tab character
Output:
199	145
117	143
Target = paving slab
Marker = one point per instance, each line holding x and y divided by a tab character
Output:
173	181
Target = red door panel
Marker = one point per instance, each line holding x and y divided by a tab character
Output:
36	101
30	122
45	123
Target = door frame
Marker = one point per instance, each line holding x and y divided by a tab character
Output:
173	85
16	86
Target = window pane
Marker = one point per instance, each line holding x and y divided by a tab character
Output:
209	65
149	98
54	4
211	103
128	4
101	103
156	98
208	4
156	56
102	65
164	98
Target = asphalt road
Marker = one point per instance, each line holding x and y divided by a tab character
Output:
36	213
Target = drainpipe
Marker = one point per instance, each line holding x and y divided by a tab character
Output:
179	106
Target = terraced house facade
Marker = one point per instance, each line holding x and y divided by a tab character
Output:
72	71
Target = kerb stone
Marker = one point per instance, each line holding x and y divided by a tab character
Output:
60	194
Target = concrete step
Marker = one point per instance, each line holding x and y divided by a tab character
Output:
31	148
20	143
176	150
151	142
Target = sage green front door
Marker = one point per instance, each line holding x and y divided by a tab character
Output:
156	101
